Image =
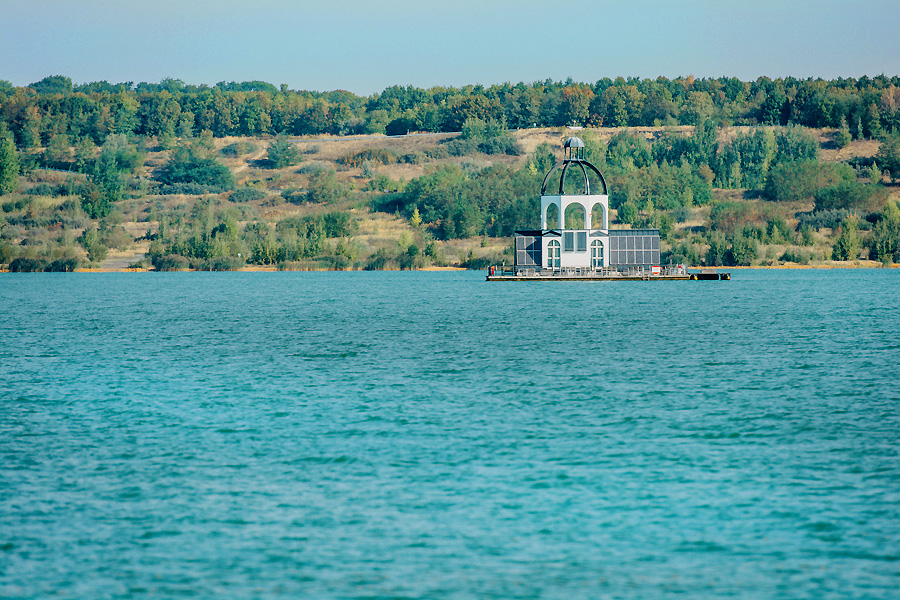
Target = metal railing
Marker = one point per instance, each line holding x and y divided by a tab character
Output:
586	272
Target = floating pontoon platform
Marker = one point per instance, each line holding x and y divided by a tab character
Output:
577	274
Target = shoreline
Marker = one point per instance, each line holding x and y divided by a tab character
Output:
868	264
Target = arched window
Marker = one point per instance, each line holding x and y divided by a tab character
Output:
597	220
596	255
552	216
553	254
574	218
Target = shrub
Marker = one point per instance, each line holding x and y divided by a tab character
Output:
461	146
375	156
380	261
325	188
684	253
313	167
222	263
41	189
823	218
238	149
729	217
799	181
501	145
476	263
795	256
183	189
171	262
247	195
400	126
851	195
14	205
194	165
412	158
62	265
293	196
437	152
27	265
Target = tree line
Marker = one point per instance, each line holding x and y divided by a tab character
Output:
35	114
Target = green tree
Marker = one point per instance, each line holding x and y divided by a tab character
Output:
325	188
574	106
798	181
628	212
744	251
848	244
873	173
872	122
195	165
54	84
282	153
9	165
889	155
57	151
90	241
851	195
885	241
718	250
842	137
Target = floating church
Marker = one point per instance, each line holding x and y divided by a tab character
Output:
593	251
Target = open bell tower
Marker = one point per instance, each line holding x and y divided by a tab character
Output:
592	246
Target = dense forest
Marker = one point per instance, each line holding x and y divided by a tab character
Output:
731	172
867	107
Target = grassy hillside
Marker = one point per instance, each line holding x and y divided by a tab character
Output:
346	203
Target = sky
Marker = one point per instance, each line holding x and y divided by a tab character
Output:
365	46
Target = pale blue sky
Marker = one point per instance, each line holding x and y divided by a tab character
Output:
365	46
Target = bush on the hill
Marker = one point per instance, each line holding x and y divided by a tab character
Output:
851	195
798	181
27	265
436	152
375	156
222	263
62	265
822	218
325	188
194	165
238	149
171	262
247	195
400	126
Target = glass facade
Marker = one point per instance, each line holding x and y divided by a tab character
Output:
528	251
633	247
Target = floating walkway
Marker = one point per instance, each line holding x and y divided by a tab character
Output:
581	274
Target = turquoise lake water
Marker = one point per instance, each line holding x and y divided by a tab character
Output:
431	435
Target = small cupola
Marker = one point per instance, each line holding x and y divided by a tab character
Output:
574	155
